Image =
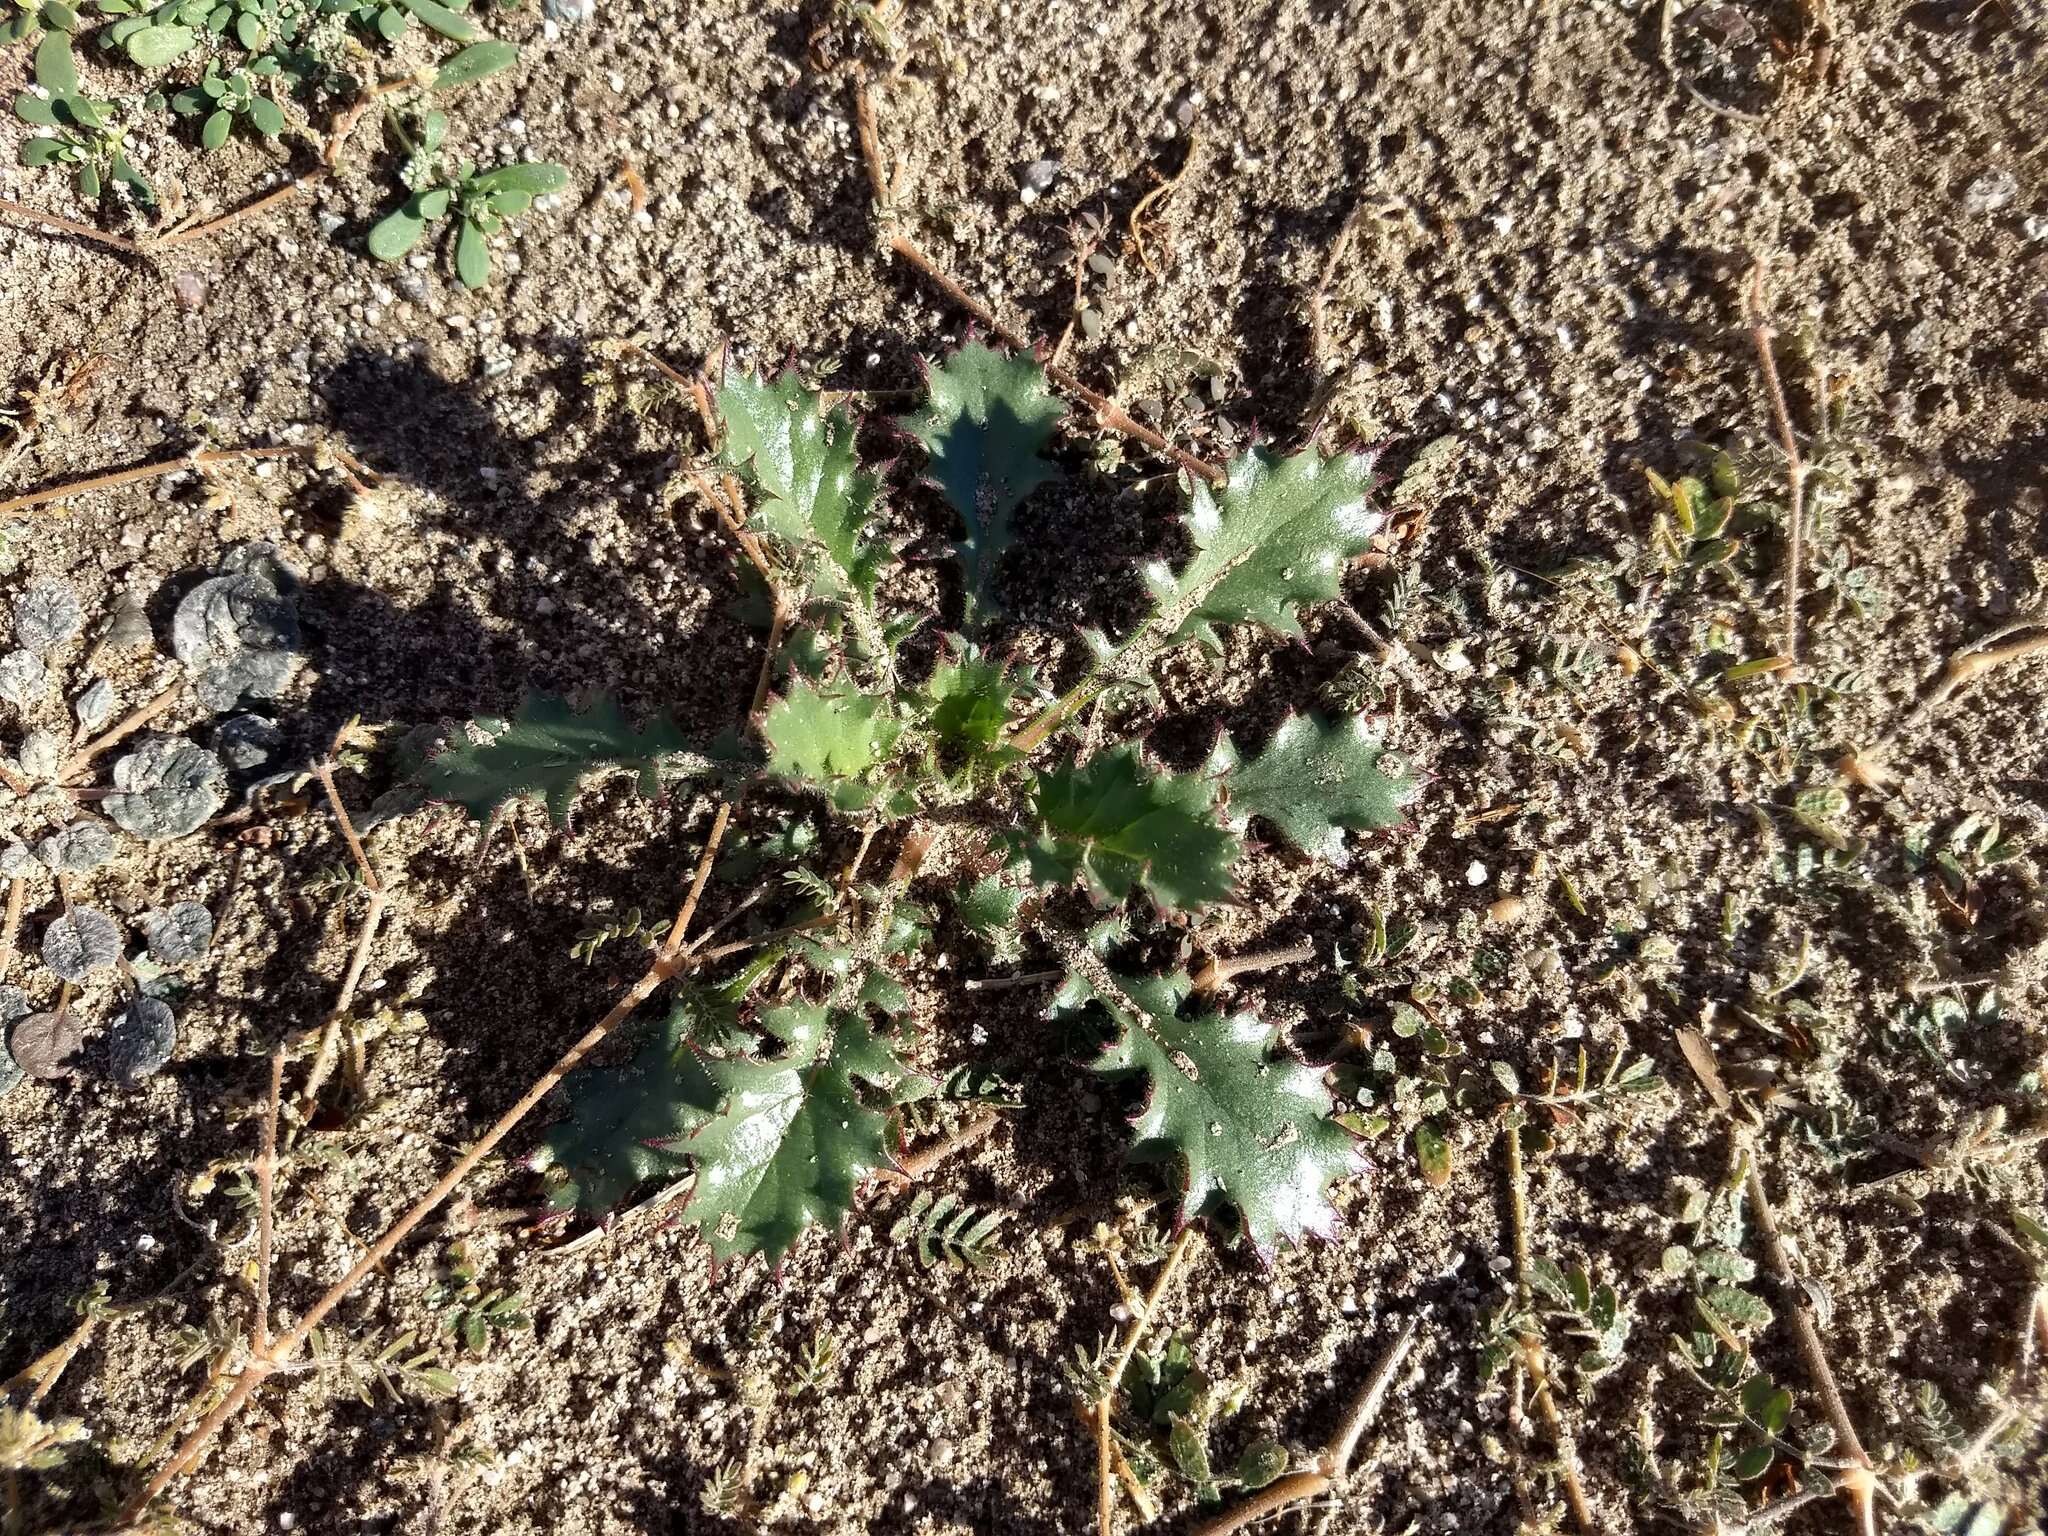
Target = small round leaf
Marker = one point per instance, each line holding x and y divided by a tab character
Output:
82	941
46	615
45	1045
178	934
142	1039
77	849
165	788
22	678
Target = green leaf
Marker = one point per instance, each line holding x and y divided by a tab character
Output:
472	255
39	152
1317	779
549	751
620	1120
264	113
802	459
1432	1154
1261	1463
56	70
1116	824
831	739
400	230
454	27
248	31
1753	1463
966	706
473	63
989	420
215	133
31	108
1768	1406
1276	535
793	1137
1248	1124
155	46
990	910
535	178
1741	1308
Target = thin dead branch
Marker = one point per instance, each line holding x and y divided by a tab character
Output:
1107	1455
1333	1465
123	728
1108	414
1762	333
1859	1482
325	1055
318	455
1534	1360
266	1204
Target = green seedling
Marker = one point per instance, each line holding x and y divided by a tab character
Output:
81	134
777	1109
25	18
479	201
223	99
388	19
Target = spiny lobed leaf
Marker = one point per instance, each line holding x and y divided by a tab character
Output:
550	750
1316	779
792	1137
802	459
834	740
989	420
1116	824
1276	535
620	1121
1248	1124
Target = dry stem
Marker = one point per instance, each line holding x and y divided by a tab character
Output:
910	1169
1108	414
1106	1455
1859	1483
1761	333
16	889
1334	1463
266	1180
1533	1357
312	453
122	729
1217	973
359	958
1974	660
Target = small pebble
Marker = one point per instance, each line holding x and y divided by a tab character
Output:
1989	193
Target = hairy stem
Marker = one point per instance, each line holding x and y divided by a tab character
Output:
1533	1357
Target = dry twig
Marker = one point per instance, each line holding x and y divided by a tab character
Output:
1333	1465
1533	1358
266	1204
1107	1456
319	455
330	1031
1762	333
1108	414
